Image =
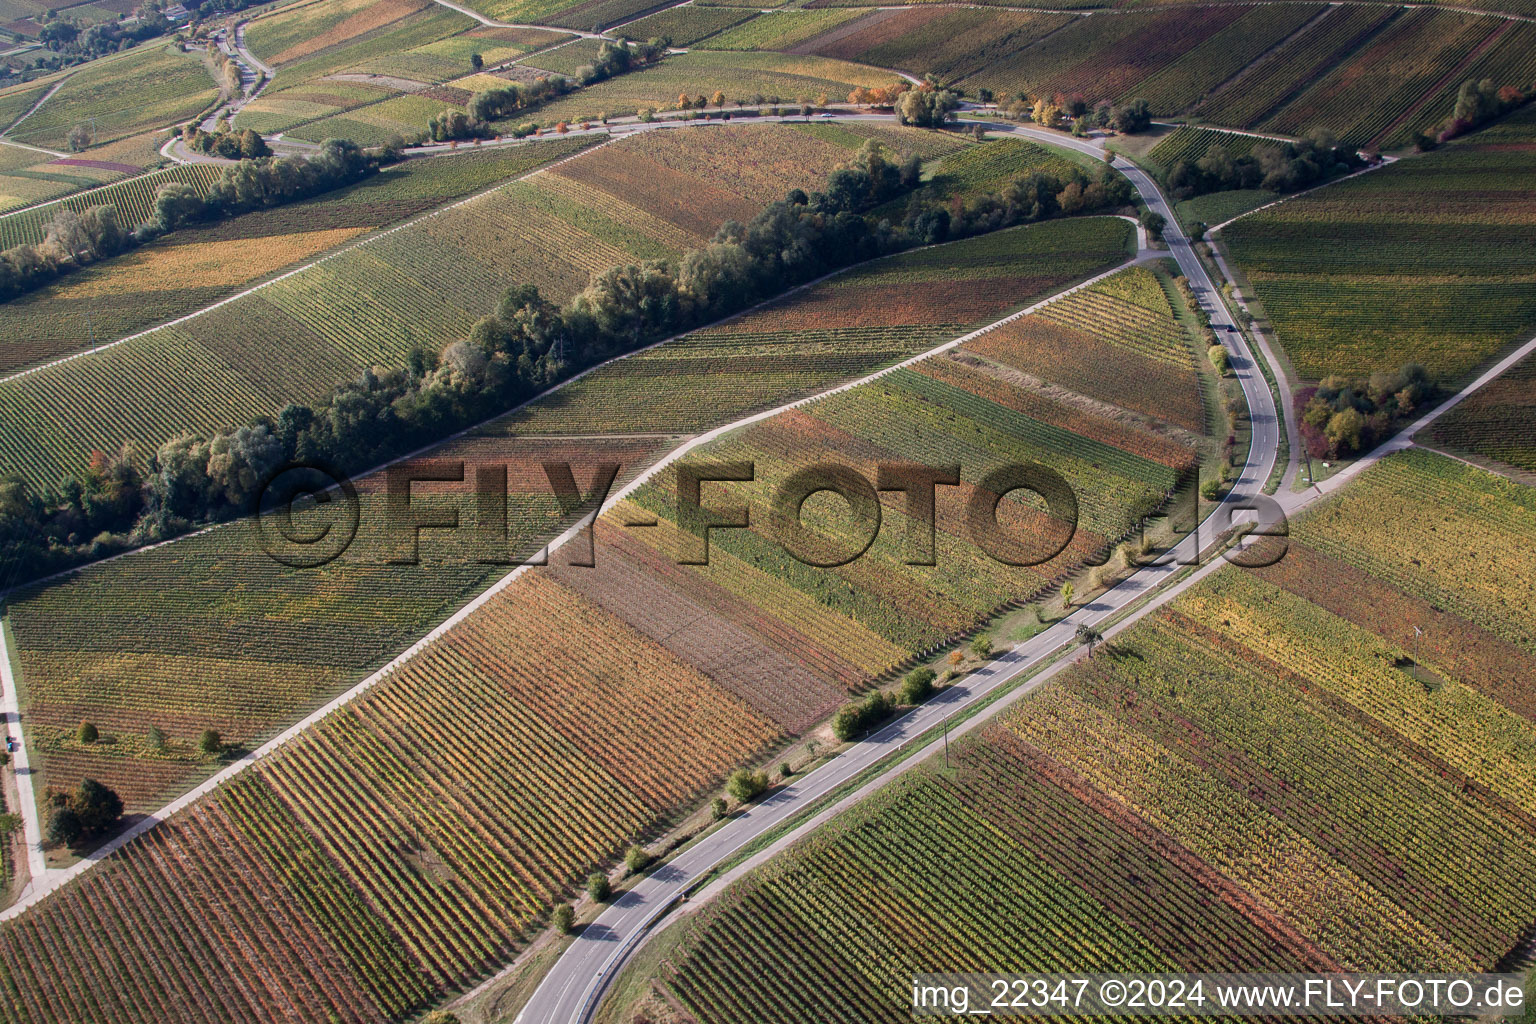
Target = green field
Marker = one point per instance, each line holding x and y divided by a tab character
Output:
652	195
150	86
1428	261
1188	798
201	264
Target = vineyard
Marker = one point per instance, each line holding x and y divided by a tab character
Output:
1193	143
396	841
1427	261
1102	57
134	199
1315	50
1496	422
686	26
147	87
1105	344
162	639
1203	68
781	30
855	323
949	43
1364	101
740	75
1187	799
201	264
424	284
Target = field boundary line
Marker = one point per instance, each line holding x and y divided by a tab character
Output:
41	100
1386	161
374	237
57	878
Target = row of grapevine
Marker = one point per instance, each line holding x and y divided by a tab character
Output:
1421	262
422	285
134	199
1229	785
1109	348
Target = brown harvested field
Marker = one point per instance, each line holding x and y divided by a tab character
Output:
1087	364
772	684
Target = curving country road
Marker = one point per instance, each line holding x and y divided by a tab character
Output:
571	990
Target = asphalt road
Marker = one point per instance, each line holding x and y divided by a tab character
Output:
573	987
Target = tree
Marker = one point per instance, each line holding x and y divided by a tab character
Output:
598	887
1219	359
926	108
87	733
78	139
1089	637
1067	591
1046	113
745	785
176	204
982	646
717	808
440	1017
917	685
83	815
1344	431
637	859
563	918
1154	222
1132	117
718	99
476	61
210	742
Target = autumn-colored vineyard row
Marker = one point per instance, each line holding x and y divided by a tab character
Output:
1191	797
399	837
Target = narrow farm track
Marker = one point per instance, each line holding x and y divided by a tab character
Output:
571	991
34	107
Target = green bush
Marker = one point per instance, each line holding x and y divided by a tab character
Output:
852	719
563	917
745	786
916	687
